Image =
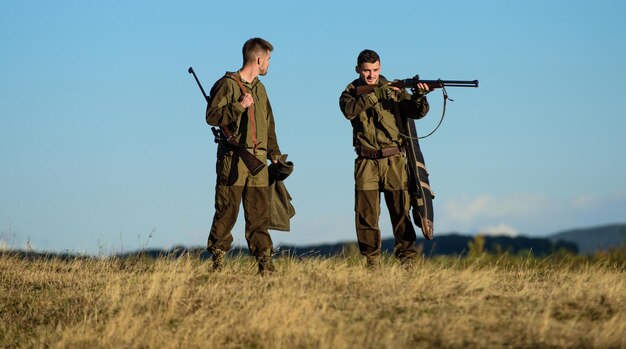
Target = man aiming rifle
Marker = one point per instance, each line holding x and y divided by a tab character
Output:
380	166
420	193
389	159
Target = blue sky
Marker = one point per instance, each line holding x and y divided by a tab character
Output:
104	147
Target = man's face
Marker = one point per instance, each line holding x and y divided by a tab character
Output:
369	72
264	63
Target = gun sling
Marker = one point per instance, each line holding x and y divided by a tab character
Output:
244	90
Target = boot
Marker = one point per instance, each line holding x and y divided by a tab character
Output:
218	259
407	263
373	262
264	259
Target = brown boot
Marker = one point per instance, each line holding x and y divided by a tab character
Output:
264	259
407	263
373	262
218	259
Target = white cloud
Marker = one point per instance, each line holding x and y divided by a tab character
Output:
499	230
469	209
528	213
585	201
595	201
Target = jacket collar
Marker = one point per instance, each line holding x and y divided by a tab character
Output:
249	85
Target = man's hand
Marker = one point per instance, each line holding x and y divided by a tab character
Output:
246	100
385	91
421	89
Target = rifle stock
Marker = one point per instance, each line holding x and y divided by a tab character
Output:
253	164
225	138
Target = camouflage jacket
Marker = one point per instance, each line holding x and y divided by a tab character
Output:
224	109
373	121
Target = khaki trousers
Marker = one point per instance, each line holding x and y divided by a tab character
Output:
235	185
389	176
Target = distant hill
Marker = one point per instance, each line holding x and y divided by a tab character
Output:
582	241
451	244
590	240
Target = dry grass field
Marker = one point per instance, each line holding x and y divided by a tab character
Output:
476	302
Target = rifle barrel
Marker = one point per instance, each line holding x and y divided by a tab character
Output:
452	83
192	72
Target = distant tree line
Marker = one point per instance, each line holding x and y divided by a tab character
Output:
454	244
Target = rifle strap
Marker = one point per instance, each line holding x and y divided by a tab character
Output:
251	119
443	113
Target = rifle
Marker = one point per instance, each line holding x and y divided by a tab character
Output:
412	83
224	137
432	84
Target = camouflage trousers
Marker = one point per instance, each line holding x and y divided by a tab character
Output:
386	175
235	185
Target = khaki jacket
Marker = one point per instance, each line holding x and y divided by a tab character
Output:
373	121
225	110
281	209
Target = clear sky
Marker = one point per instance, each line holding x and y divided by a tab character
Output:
104	147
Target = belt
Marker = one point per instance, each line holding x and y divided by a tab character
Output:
377	153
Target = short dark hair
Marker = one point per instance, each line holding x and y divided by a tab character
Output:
254	47
367	56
